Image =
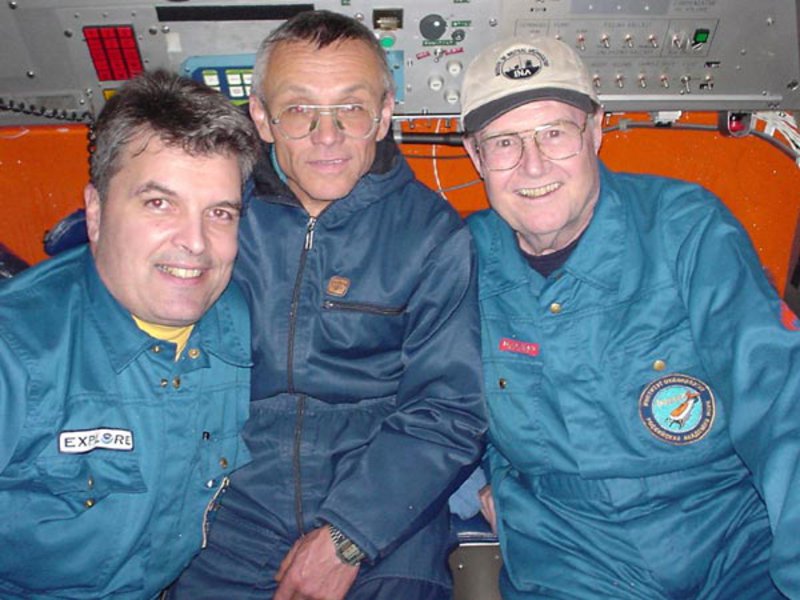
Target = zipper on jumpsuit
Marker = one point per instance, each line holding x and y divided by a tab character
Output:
361	307
213	505
298	428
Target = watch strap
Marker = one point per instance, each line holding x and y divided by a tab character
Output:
346	549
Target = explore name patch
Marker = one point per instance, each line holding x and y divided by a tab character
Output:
86	440
677	409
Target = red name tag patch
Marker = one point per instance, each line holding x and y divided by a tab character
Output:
518	347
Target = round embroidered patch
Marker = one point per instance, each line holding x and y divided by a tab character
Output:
677	409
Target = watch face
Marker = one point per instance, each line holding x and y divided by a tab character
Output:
350	551
346	550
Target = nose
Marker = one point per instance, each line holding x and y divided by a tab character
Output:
190	234
533	161
326	131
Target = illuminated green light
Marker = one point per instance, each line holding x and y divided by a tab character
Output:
701	36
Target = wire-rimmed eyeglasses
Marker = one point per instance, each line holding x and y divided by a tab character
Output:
558	140
299	120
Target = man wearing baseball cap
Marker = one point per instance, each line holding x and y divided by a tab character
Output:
642	375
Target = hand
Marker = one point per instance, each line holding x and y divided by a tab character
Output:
487	506
312	571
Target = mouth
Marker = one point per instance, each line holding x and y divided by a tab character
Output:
326	163
179	272
538	192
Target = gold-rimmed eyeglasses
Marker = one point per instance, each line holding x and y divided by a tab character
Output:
558	140
298	121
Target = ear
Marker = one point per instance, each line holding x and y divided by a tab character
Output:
261	119
94	211
471	146
386	117
597	129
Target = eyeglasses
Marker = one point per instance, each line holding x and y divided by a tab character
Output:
299	120
559	140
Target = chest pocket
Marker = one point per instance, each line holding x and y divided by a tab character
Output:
665	359
354	329
521	419
89	478
83	503
222	454
222	448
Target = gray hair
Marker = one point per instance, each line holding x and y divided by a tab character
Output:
322	28
176	110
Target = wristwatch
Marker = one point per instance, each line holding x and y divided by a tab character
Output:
346	549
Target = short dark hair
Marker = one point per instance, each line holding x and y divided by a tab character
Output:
178	111
322	28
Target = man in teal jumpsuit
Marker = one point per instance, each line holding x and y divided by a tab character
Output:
125	364
642	375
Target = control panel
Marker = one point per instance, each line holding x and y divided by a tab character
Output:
61	59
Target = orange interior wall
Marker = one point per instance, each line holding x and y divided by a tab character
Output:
43	170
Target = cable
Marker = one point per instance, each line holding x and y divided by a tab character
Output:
443	139
461	186
784	126
44	112
435	164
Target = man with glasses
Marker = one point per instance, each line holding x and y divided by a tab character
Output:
366	397
642	376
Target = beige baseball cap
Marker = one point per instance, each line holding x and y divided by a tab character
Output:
515	71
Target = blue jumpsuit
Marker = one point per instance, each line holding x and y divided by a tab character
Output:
366	398
111	452
644	423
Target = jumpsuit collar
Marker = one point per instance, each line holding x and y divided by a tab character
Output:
122	340
267	183
597	260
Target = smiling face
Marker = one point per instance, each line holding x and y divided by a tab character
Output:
164	238
327	164
548	203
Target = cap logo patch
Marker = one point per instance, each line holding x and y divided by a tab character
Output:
678	409
520	63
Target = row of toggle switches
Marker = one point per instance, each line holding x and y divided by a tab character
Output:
437	84
681	40
605	41
706	84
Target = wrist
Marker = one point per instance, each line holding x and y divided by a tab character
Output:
346	549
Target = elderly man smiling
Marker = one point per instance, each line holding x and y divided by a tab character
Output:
644	435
